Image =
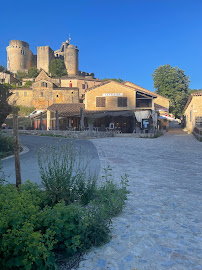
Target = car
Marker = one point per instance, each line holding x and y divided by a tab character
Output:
34	113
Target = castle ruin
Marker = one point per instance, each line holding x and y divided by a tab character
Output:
21	58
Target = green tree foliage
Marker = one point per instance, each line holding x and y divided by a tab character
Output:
28	84
191	91
2	68
33	72
57	68
5	108
116	80
172	83
21	75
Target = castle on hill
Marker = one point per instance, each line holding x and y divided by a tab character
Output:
21	58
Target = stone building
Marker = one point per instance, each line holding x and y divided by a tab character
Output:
46	91
43	93
193	111
20	57
7	78
109	105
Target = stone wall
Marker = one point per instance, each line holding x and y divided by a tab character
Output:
111	101
22	96
65	82
193	110
66	133
162	102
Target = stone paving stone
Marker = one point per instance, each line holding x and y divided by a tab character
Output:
161	225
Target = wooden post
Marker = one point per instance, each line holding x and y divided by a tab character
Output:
16	147
41	121
56	120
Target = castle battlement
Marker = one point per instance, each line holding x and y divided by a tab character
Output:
21	58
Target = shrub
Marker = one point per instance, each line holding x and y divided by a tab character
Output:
22	244
64	174
35	229
28	84
6	145
111	196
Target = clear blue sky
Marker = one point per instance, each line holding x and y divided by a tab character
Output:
117	39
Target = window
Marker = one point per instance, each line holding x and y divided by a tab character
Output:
122	101
57	95
83	86
44	84
100	101
190	116
41	94
25	94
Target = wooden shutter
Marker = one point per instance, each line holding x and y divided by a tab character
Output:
122	101
100	102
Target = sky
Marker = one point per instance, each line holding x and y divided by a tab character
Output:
125	39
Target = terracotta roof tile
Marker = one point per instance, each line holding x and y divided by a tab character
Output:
68	109
197	93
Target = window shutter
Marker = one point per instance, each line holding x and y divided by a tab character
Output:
122	102
100	102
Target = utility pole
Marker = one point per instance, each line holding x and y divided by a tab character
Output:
16	147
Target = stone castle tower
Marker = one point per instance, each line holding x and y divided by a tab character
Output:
20	57
70	55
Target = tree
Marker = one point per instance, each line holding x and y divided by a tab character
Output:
2	68
5	108
21	75
172	83
191	91
116	80
57	68
33	72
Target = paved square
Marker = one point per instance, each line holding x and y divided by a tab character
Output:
161	225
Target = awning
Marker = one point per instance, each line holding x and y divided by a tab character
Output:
166	118
110	113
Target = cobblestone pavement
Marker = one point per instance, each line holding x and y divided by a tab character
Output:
161	225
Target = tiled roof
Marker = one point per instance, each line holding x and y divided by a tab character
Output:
65	88
123	84
197	93
69	109
21	89
140	88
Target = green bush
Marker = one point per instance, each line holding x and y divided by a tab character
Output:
28	84
6	145
64	174
24	110
22	243
36	225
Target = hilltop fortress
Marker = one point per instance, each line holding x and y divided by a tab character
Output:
21	58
